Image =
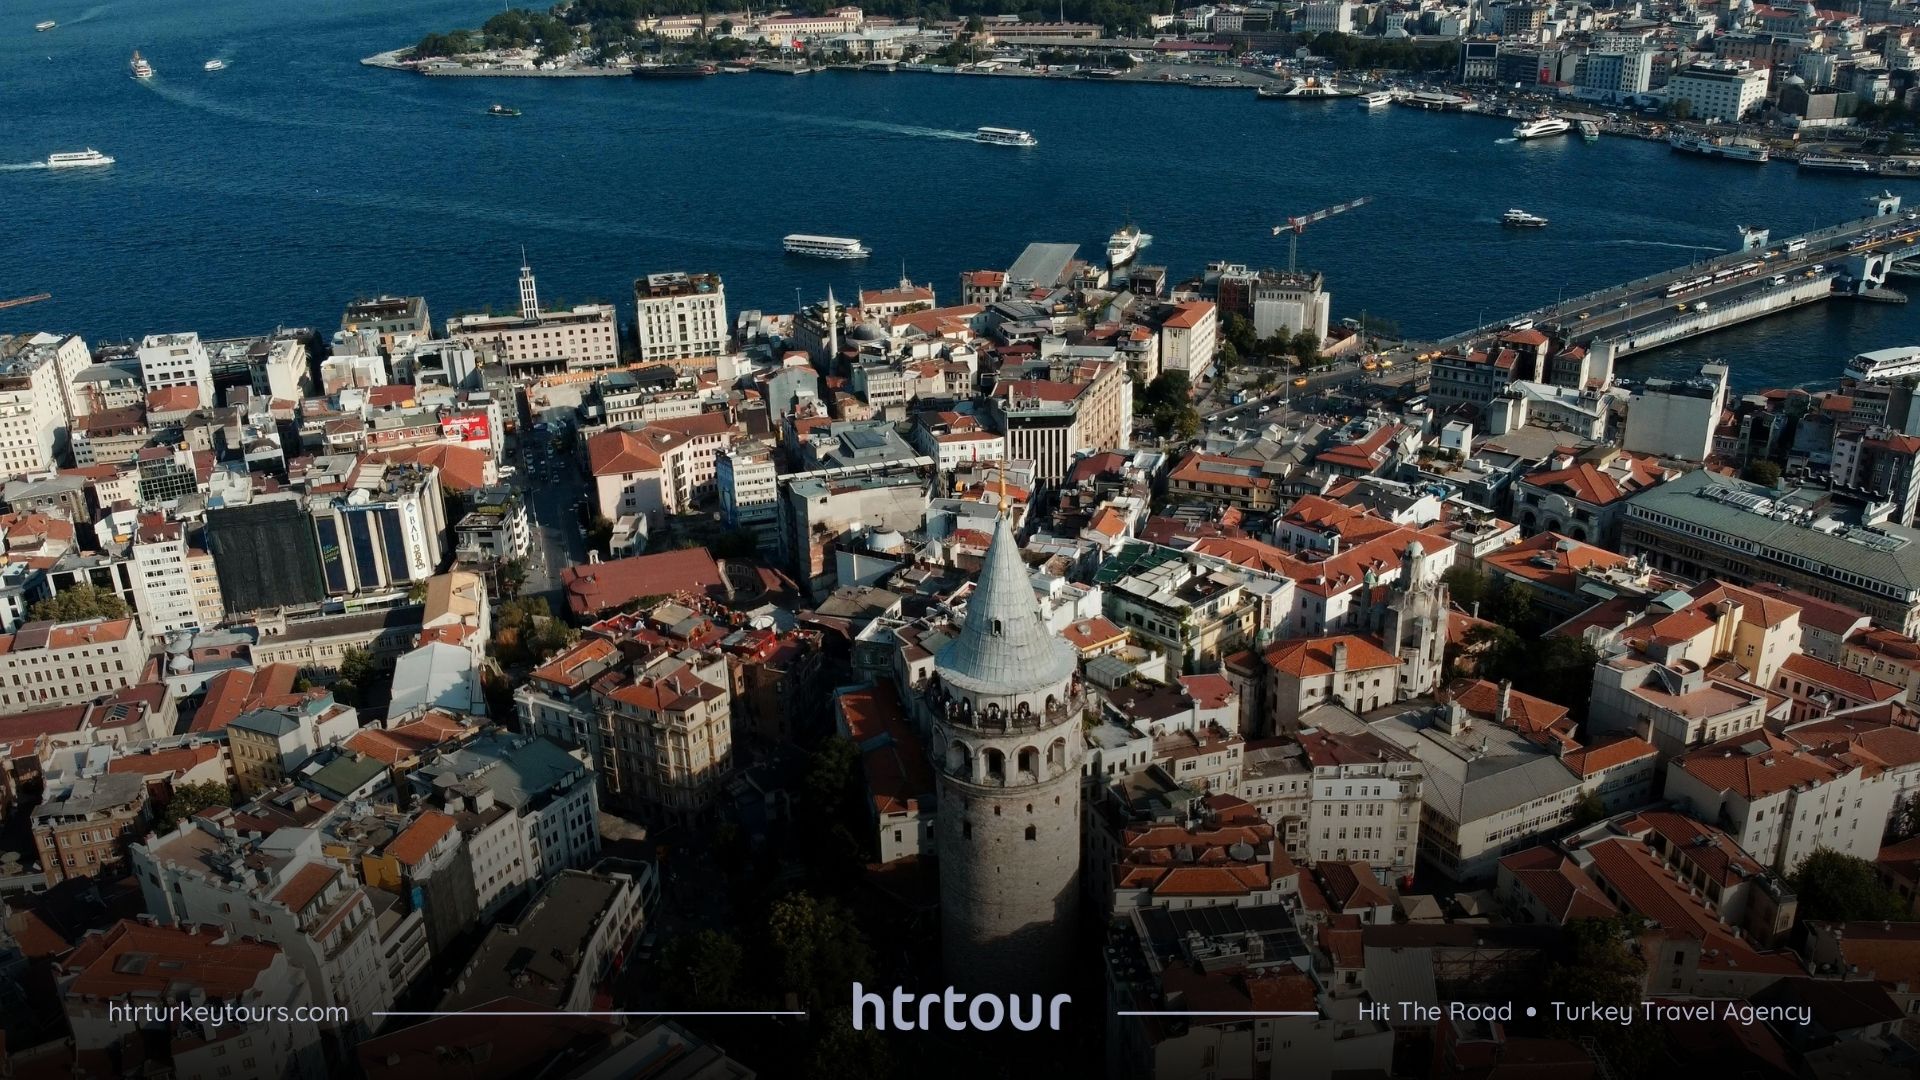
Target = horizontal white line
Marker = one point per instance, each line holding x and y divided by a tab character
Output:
1207	1012
488	1012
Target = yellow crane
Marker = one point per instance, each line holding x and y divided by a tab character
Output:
1297	225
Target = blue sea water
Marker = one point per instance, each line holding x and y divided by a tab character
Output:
274	191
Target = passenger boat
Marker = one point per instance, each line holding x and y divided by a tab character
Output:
1819	163
997	136
78	160
1520	219
1728	148
139	67
1541	127
825	247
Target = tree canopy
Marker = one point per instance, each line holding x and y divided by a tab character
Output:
77	603
525	631
188	800
1842	888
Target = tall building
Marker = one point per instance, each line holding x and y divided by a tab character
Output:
680	316
1080	406
36	372
388	531
176	360
1726	90
532	341
1005	719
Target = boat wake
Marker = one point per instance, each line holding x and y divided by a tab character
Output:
23	166
1660	244
88	15
194	100
1505	141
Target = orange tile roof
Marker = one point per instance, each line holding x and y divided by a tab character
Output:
1779	765
561	669
1559	884
225	966
176	762
1608	754
1853	684
1189	315
1311	657
418	838
899	777
595	587
1525	713
70	635
462	468
1092	633
305	886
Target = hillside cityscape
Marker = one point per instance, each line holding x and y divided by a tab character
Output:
1080	665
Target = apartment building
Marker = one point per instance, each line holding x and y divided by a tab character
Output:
83	829
680	316
667	737
36	375
388	530
1345	669
1189	339
659	470
1220	480
212	870
1781	800
1726	90
168	360
1364	804
1083	405
267	744
44	664
748	481
1190	606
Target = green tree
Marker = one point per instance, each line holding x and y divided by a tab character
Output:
1839	887
1589	810
526	632
188	800
511	578
1467	584
843	1052
1680	109
1306	346
1509	605
701	969
1229	357
1601	965
599	534
817	949
77	603
1762	471
353	677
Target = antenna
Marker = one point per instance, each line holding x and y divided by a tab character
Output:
1003	487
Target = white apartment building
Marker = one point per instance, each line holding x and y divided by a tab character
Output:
1782	801
662	469
45	664
1725	90
582	338
176	360
1321	18
749	485
163	585
1189	338
528	807
280	888
36	373
680	316
389	530
1621	73
1364	804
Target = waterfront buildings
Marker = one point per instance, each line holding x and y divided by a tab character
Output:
388	318
1727	90
1676	418
533	341
1189	338
37	380
168	360
680	316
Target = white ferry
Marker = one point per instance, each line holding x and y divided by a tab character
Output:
80	160
1589	131
1730	149
1836	164
1122	246
1307	89
45	25
998	136
1882	365
139	67
826	247
1541	127
216	64
1378	99
1520	219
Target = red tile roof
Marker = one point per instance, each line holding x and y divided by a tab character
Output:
899	777
133	959
462	468
305	886
1558	883
1311	657
1189	315
596	587
417	839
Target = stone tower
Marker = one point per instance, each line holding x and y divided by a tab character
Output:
1004	702
1413	623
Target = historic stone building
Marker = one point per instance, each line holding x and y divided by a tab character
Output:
1005	703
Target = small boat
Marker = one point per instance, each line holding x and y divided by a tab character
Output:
1122	246
1520	219
825	247
1541	127
1589	131
1378	99
45	26
214	65
502	110
139	67
78	160
734	69
997	136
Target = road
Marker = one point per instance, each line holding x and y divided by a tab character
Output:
552	482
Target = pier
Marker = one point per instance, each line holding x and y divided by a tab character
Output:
1762	277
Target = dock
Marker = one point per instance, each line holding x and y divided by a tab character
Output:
1762	277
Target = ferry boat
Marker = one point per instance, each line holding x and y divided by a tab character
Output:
1710	146
1520	219
1589	131
998	136
1378	99
1307	89
1881	365
80	160
139	66
674	71
734	69
825	247
1122	246
1435	101
45	25
1819	163
502	110
1541	127
214	65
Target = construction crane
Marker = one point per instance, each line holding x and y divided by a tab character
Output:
1298	225
19	300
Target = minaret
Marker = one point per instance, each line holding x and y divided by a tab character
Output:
529	296
833	332
1004	707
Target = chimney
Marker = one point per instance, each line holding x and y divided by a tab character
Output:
1500	707
1339	656
1458	719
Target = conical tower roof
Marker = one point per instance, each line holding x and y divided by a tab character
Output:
1005	646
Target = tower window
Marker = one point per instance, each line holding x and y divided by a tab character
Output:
996	628
1033	833
966	830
